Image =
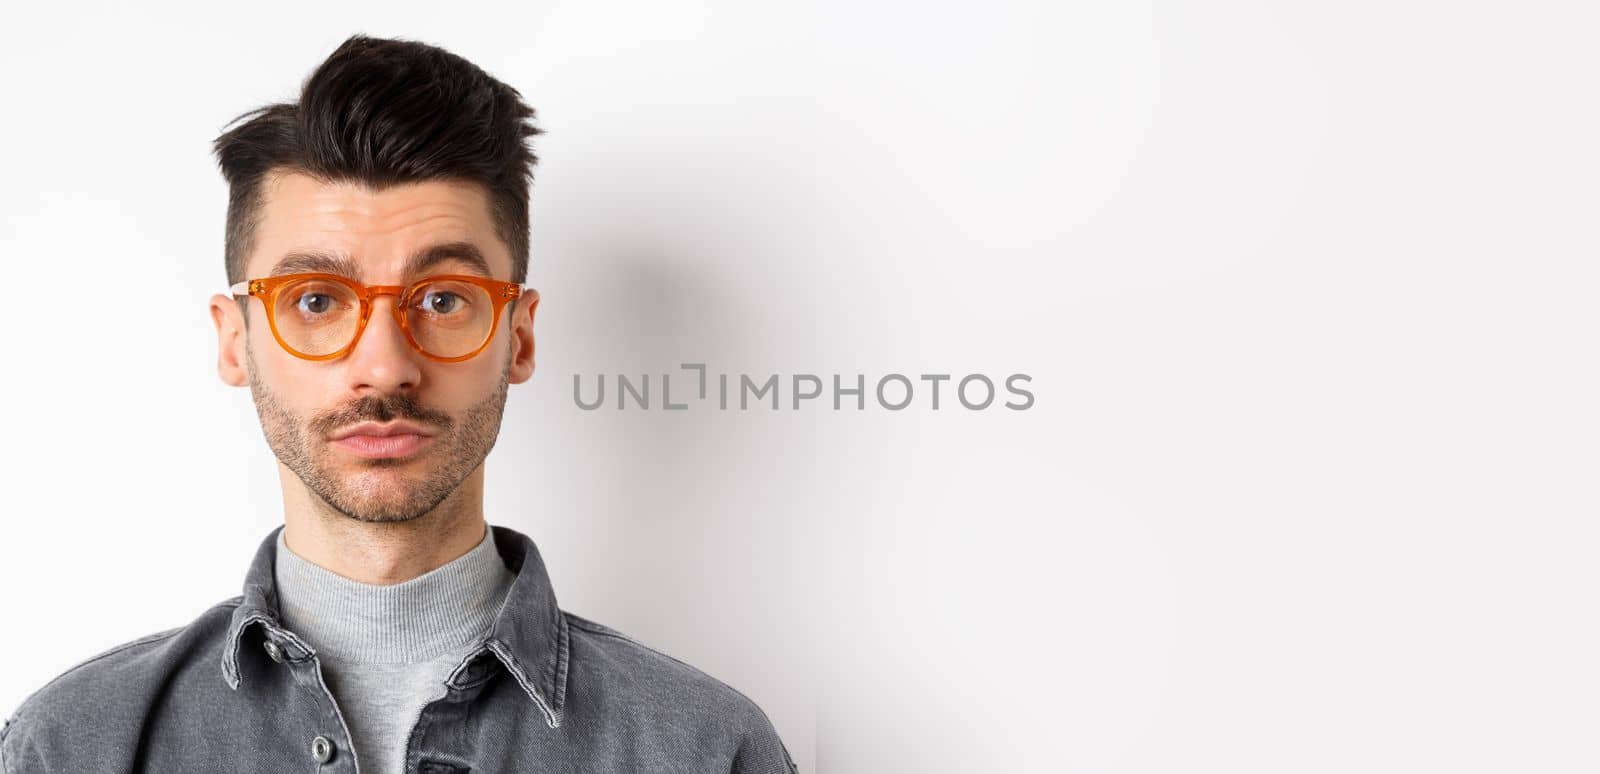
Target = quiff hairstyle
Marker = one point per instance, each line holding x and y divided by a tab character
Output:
383	112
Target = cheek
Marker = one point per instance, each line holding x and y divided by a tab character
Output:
455	390
285	382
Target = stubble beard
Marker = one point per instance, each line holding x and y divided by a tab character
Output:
460	446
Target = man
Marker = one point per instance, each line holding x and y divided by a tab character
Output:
377	248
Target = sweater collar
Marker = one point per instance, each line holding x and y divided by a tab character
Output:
401	623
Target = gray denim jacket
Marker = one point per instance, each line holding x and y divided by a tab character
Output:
236	692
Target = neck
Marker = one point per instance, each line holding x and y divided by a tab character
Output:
382	553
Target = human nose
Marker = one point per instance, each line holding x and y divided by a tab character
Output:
382	359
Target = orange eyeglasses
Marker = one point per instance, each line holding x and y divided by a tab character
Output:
448	318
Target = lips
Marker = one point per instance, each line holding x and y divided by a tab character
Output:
375	447
372	440
379	430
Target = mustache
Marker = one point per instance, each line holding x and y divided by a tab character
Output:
381	409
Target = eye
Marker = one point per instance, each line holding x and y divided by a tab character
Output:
442	302
314	303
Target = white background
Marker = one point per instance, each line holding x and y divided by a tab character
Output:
1306	291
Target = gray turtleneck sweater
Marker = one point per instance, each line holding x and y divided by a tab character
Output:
386	650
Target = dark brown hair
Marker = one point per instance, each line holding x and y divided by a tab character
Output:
382	112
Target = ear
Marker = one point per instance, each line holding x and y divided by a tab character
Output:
522	339
232	365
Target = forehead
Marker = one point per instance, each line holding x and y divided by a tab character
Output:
376	233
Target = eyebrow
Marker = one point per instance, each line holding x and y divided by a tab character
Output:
333	262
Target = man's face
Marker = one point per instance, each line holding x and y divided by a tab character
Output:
305	405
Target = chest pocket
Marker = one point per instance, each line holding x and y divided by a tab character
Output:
435	767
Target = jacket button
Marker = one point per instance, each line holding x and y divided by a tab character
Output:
321	749
274	651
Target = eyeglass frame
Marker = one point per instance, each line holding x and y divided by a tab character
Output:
267	289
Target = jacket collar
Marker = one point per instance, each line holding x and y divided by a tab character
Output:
529	636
